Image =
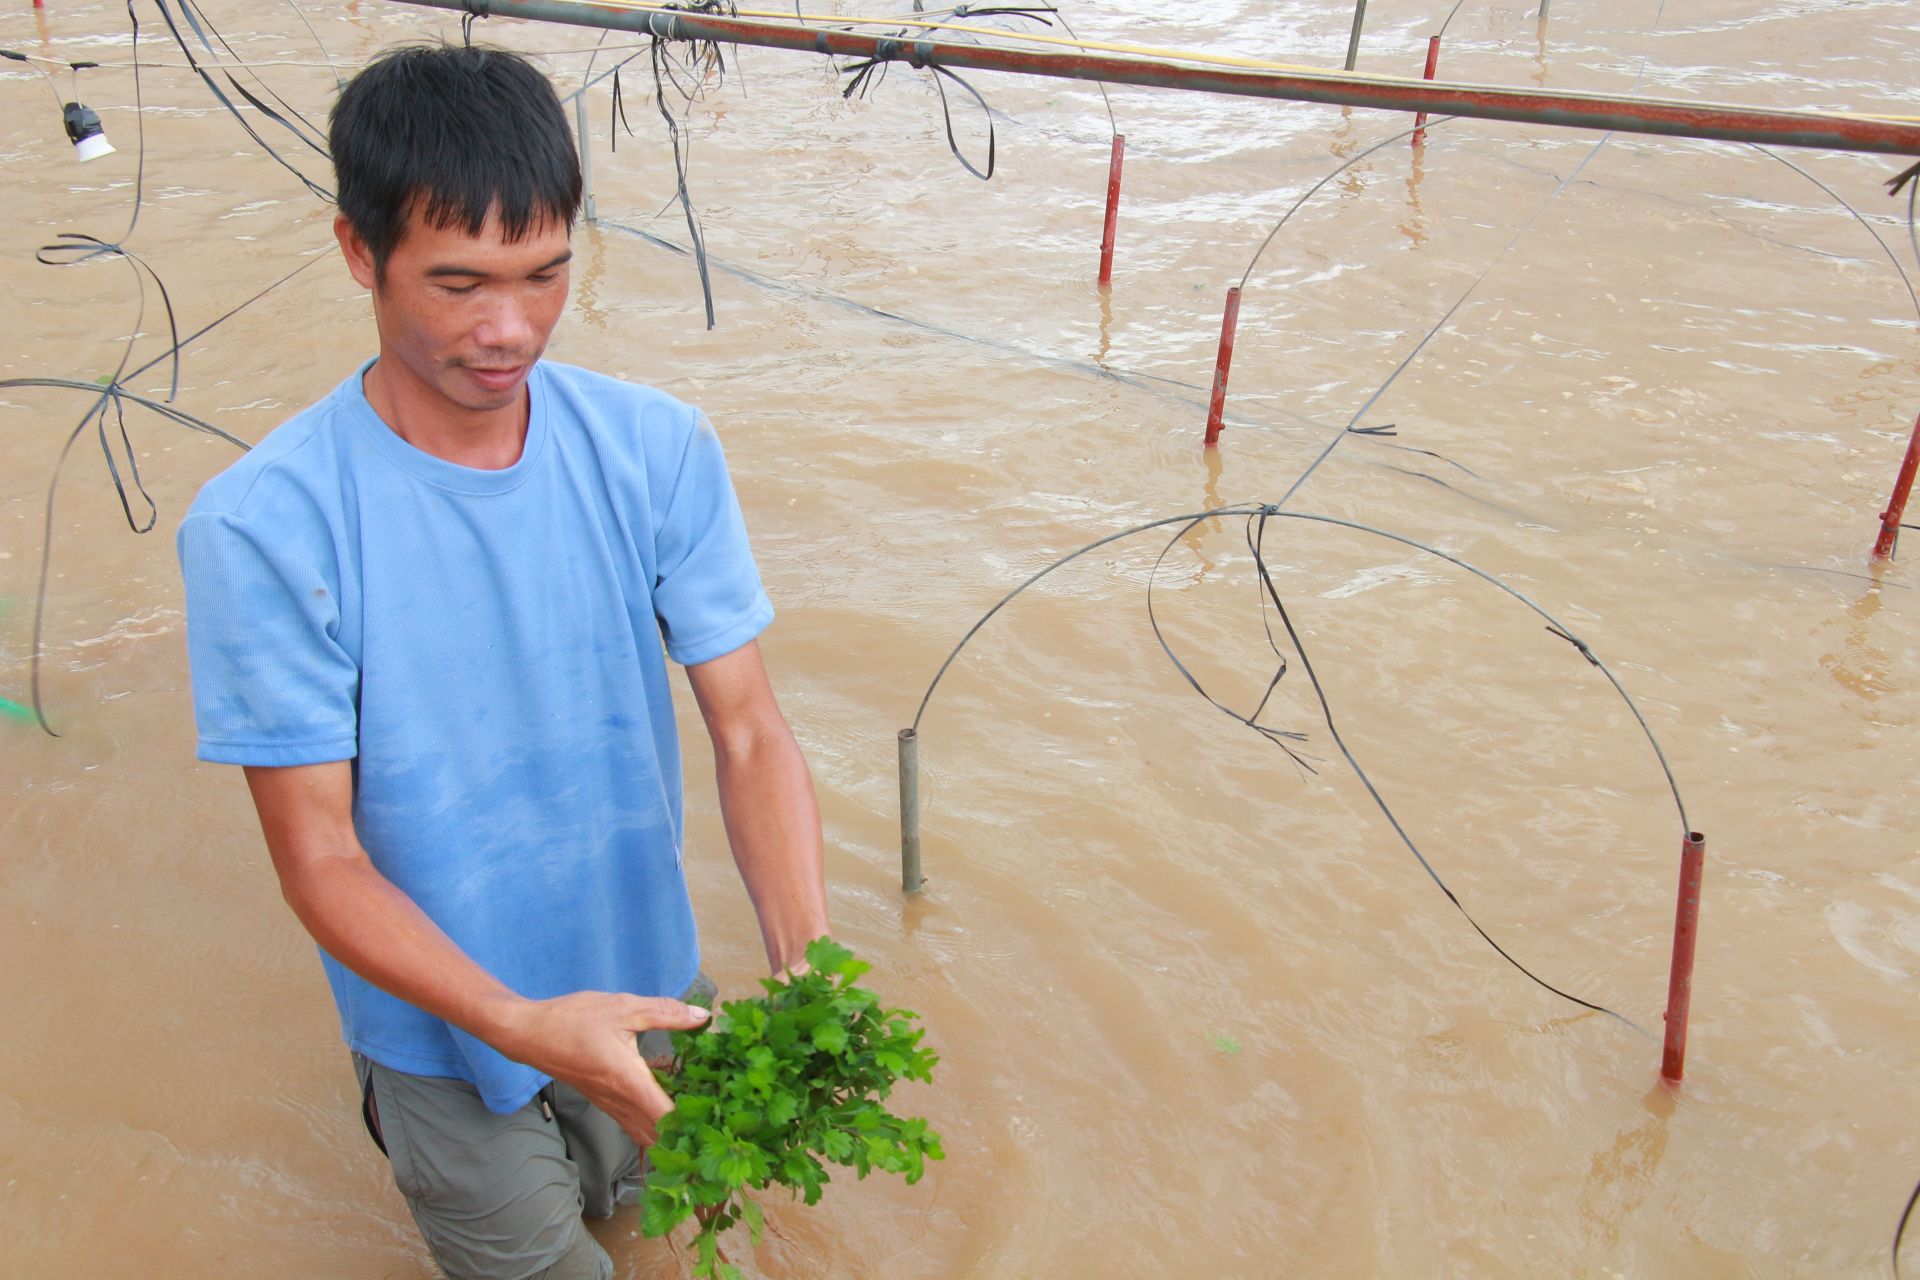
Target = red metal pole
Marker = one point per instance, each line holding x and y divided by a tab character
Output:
1897	504
1228	323
1433	64
1686	930
1113	208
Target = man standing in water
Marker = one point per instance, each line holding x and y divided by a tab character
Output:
427	615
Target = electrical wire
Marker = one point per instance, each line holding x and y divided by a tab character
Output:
1255	541
301	14
1101	85
1280	738
1901	1230
1352	426
708	57
1314	189
1334	441
1257	515
220	94
59	103
290	117
107	414
1186	393
114	393
1438	325
867	74
1859	217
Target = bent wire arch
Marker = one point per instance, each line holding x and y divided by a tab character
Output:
1263	512
1893	259
1273	510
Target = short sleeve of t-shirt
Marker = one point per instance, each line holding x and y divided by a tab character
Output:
706	592
270	684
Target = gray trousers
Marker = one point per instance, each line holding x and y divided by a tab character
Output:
502	1197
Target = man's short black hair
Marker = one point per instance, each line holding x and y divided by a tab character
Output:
448	135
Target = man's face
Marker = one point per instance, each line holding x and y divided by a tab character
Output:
463	317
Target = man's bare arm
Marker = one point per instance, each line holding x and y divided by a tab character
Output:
366	923
767	801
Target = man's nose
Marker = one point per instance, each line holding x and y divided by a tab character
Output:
507	323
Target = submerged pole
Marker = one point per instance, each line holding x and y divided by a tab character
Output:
1229	321
1353	41
1686	929
1897	504
587	209
1113	208
1433	64
910	877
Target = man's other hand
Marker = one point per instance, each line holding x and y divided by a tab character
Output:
587	1040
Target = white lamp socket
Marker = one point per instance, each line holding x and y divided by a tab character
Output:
92	147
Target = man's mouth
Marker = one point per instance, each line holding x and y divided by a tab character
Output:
498	378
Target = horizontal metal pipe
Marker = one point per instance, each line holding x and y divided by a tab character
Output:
1718	121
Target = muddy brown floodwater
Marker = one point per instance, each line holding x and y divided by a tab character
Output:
1200	1013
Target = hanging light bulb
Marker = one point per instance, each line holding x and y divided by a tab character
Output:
83	129
82	122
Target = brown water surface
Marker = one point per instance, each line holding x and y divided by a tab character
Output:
1200	1012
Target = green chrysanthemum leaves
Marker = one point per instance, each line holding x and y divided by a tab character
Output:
773	1086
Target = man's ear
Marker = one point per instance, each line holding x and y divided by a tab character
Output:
354	249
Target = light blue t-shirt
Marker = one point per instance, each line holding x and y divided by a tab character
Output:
486	647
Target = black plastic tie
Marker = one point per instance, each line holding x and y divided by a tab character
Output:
473	9
1577	643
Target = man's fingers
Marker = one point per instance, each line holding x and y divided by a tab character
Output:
641	1130
650	1103
645	1013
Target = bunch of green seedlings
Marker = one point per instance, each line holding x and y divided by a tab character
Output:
774	1085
